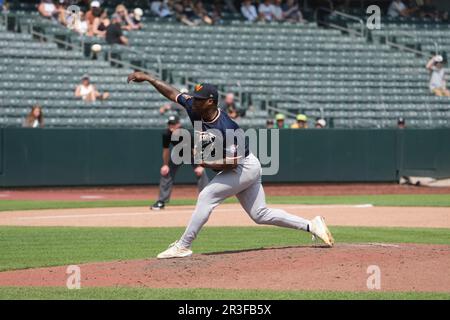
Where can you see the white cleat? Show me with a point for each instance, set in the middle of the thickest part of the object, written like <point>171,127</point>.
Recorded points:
<point>320,230</point>
<point>175,250</point>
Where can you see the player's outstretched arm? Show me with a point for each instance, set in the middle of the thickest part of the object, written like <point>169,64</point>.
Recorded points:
<point>163,87</point>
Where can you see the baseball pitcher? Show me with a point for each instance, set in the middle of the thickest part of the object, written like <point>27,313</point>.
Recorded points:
<point>238,174</point>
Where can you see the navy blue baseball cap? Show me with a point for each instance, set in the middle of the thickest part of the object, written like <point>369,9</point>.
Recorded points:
<point>205,91</point>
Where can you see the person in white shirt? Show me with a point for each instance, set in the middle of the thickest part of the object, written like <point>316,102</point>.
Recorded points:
<point>48,9</point>
<point>398,8</point>
<point>438,83</point>
<point>87,91</point>
<point>161,8</point>
<point>248,10</point>
<point>267,11</point>
<point>291,12</point>
<point>77,23</point>
<point>278,11</point>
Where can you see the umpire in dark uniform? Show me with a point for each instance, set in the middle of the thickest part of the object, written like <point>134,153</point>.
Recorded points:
<point>169,169</point>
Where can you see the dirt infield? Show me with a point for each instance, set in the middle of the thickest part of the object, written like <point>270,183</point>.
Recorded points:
<point>403,267</point>
<point>189,191</point>
<point>230,215</point>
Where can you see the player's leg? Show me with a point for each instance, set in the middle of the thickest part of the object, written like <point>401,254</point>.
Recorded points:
<point>253,200</point>
<point>222,186</point>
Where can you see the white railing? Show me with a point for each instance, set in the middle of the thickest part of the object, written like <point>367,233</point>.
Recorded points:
<point>401,47</point>
<point>230,81</point>
<point>351,31</point>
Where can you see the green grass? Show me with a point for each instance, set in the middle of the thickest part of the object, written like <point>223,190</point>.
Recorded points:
<point>202,294</point>
<point>415,200</point>
<point>30,247</point>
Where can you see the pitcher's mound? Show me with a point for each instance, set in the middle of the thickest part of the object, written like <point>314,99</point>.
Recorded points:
<point>403,267</point>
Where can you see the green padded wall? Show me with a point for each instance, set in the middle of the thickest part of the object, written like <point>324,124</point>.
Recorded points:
<point>70,157</point>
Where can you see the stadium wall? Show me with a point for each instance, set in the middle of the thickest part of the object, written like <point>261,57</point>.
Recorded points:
<point>76,157</point>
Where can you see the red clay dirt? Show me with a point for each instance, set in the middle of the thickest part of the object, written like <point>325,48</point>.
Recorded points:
<point>403,267</point>
<point>229,215</point>
<point>189,191</point>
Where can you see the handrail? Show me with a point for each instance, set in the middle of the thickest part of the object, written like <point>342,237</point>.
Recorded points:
<point>192,83</point>
<point>129,65</point>
<point>109,58</point>
<point>436,47</point>
<point>278,110</point>
<point>362,31</point>
<point>403,47</point>
<point>81,47</point>
<point>351,31</point>
<point>236,82</point>
<point>291,99</point>
<point>160,65</point>
<point>58,41</point>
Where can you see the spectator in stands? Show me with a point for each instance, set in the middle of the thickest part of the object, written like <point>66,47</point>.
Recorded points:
<point>88,92</point>
<point>428,10</point>
<point>60,14</point>
<point>229,106</point>
<point>47,9</point>
<point>278,11</point>
<point>80,25</point>
<point>114,34</point>
<point>301,122</point>
<point>438,85</point>
<point>269,124</point>
<point>126,22</point>
<point>186,14</point>
<point>35,118</point>
<point>398,8</point>
<point>216,14</point>
<point>94,12</point>
<point>279,122</point>
<point>248,10</point>
<point>320,123</point>
<point>61,7</point>
<point>230,4</point>
<point>100,25</point>
<point>401,124</point>
<point>266,11</point>
<point>4,6</point>
<point>162,9</point>
<point>291,12</point>
<point>136,18</point>
<point>201,12</point>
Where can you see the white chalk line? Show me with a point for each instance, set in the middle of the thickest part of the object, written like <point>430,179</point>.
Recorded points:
<point>174,210</point>
<point>91,197</point>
